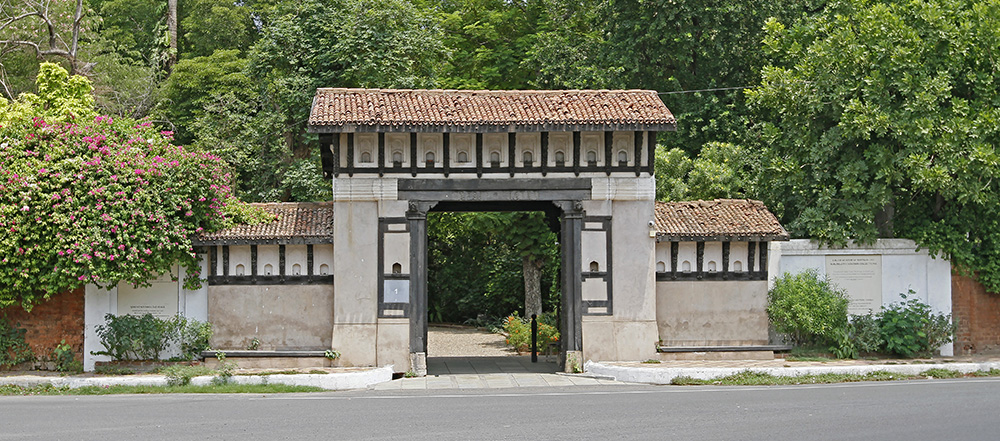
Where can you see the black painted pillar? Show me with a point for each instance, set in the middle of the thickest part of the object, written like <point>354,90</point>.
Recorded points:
<point>416,217</point>
<point>572,277</point>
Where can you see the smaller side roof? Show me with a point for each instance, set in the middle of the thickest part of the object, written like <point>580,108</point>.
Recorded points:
<point>717,220</point>
<point>294,223</point>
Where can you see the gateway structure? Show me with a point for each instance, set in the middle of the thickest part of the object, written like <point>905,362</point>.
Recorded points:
<point>584,157</point>
<point>637,277</point>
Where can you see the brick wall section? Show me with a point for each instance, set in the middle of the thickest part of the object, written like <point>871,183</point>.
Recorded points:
<point>59,318</point>
<point>977,316</point>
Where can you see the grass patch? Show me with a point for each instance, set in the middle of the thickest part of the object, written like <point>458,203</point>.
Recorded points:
<point>751,378</point>
<point>113,370</point>
<point>941,373</point>
<point>651,361</point>
<point>188,389</point>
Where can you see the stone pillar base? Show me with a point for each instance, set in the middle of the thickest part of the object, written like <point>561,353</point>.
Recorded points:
<point>418,363</point>
<point>571,362</point>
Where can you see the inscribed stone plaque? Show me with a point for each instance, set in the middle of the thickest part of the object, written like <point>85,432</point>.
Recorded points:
<point>159,299</point>
<point>861,277</point>
<point>396,291</point>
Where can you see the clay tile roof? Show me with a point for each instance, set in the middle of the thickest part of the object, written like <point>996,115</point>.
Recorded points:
<point>721,219</point>
<point>296,223</point>
<point>388,110</point>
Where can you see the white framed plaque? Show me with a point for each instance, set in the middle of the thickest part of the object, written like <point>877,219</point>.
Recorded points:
<point>861,277</point>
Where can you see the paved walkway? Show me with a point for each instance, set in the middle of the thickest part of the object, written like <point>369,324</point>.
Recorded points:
<point>491,373</point>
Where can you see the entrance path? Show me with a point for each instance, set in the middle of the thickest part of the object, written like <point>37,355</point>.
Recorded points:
<point>469,358</point>
<point>455,341</point>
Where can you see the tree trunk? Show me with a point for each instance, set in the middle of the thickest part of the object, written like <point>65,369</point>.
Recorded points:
<point>532,286</point>
<point>172,30</point>
<point>884,220</point>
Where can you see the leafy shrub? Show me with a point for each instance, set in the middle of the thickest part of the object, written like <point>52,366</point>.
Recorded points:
<point>866,333</point>
<point>194,337</point>
<point>807,308</point>
<point>129,337</point>
<point>911,329</point>
<point>13,348</point>
<point>65,359</point>
<point>181,375</point>
<point>518,331</point>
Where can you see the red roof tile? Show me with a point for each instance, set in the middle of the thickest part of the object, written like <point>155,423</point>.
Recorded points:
<point>721,219</point>
<point>296,222</point>
<point>337,110</point>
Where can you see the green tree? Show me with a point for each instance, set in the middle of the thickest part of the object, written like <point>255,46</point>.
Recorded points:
<point>721,170</point>
<point>882,121</point>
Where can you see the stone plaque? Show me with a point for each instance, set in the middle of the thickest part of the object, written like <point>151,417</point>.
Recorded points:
<point>396,291</point>
<point>861,277</point>
<point>159,299</point>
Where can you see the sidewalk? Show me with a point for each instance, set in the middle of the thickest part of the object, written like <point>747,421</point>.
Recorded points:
<point>341,379</point>
<point>664,372</point>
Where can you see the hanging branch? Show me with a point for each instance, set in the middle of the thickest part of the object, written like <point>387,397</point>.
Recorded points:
<point>52,42</point>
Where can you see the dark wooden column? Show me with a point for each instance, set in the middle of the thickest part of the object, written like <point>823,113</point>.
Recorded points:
<point>725,259</point>
<point>544,159</point>
<point>416,217</point>
<point>673,259</point>
<point>763,261</point>
<point>751,249</point>
<point>511,151</point>
<point>413,154</point>
<point>446,152</point>
<point>336,155</point>
<point>381,154</point>
<point>637,157</point>
<point>479,155</point>
<point>609,146</point>
<point>700,258</point>
<point>572,275</point>
<point>350,154</point>
<point>576,153</point>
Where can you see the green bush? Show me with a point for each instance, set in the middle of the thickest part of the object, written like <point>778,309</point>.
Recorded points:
<point>13,348</point>
<point>518,331</point>
<point>808,309</point>
<point>65,359</point>
<point>193,336</point>
<point>181,375</point>
<point>911,329</point>
<point>866,333</point>
<point>129,337</point>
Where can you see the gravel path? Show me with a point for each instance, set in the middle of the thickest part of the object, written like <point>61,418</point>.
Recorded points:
<point>465,342</point>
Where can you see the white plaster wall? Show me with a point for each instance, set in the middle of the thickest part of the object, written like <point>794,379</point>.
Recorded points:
<point>462,142</point>
<point>397,142</point>
<point>687,252</point>
<point>592,142</point>
<point>495,142</point>
<point>194,303</point>
<point>268,255</point>
<point>713,254</point>
<point>239,255</point>
<point>322,255</point>
<point>97,303</point>
<point>633,261</point>
<point>365,143</point>
<point>738,253</point>
<point>904,267</point>
<point>397,250</point>
<point>593,248</point>
<point>623,142</point>
<point>430,142</point>
<point>296,255</point>
<point>560,142</point>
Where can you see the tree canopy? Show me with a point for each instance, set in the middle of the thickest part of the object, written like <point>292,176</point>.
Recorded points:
<point>881,120</point>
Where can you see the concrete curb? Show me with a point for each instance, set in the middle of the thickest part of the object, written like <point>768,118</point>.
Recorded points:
<point>334,381</point>
<point>652,375</point>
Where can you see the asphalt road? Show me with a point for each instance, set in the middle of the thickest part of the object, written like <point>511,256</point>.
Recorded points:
<point>964,409</point>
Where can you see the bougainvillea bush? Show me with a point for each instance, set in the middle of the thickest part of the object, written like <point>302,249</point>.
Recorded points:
<point>95,199</point>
